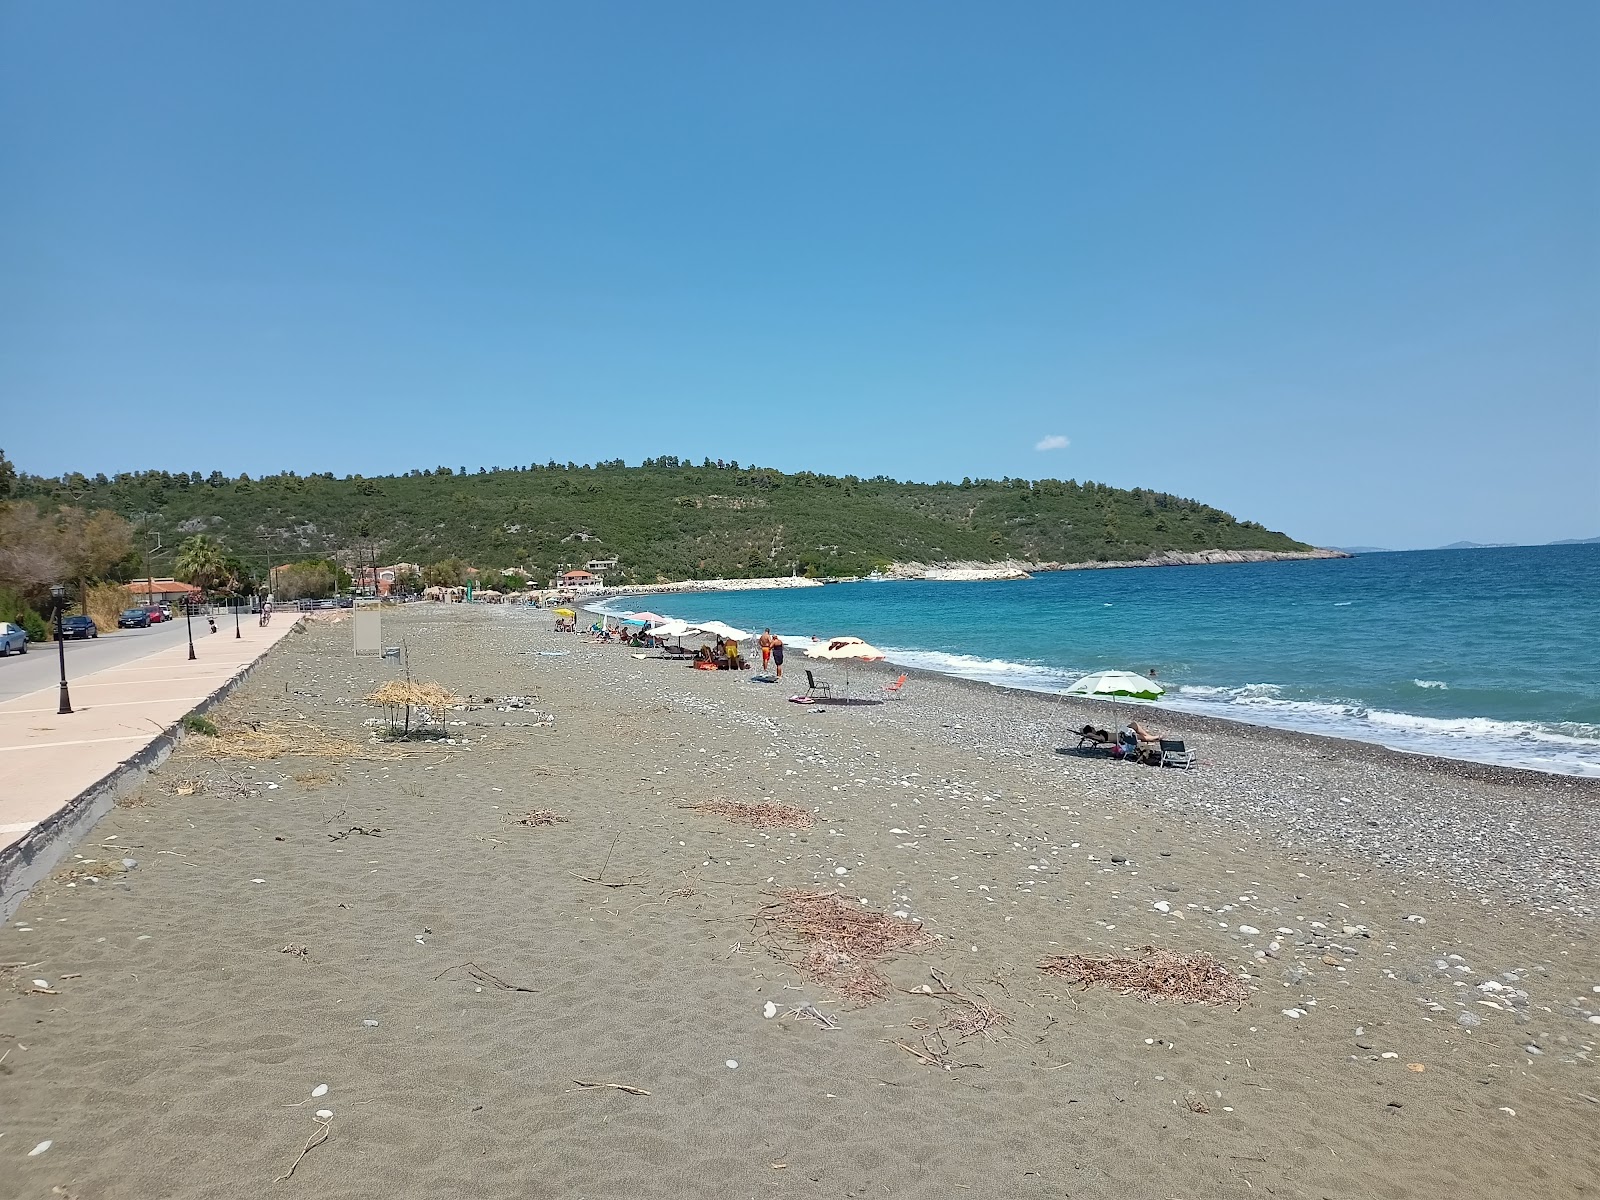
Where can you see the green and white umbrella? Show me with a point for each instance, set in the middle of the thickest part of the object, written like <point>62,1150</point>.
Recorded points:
<point>1117,683</point>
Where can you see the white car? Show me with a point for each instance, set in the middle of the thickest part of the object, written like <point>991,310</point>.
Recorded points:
<point>13,637</point>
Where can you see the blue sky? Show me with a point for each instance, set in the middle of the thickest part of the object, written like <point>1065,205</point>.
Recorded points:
<point>1331,267</point>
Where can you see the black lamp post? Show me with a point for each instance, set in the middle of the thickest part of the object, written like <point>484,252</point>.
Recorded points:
<point>58,601</point>
<point>188,616</point>
<point>236,632</point>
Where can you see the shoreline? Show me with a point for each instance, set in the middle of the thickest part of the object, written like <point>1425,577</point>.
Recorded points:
<point>1095,712</point>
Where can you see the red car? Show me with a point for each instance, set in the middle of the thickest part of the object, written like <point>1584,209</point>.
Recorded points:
<point>156,615</point>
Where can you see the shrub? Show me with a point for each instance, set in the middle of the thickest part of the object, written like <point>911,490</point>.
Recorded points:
<point>195,723</point>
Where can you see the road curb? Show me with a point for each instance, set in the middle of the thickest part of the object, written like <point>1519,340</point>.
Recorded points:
<point>26,862</point>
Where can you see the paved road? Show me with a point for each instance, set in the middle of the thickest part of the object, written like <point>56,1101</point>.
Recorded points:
<point>39,667</point>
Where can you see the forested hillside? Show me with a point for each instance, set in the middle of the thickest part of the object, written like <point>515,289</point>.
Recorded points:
<point>665,519</point>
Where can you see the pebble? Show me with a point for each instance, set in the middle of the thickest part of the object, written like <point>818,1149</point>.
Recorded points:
<point>320,1090</point>
<point>770,1011</point>
<point>370,1024</point>
<point>732,1064</point>
<point>839,870</point>
<point>130,863</point>
<point>324,1114</point>
<point>41,983</point>
<point>1163,907</point>
<point>1249,930</point>
<point>1295,1013</point>
<point>41,1147</point>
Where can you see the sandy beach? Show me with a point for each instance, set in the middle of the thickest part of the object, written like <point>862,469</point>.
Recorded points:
<point>1416,938</point>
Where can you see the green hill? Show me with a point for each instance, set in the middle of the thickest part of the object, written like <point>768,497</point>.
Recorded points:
<point>665,519</point>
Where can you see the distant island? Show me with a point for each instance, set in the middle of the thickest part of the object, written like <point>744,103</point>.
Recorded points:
<point>669,519</point>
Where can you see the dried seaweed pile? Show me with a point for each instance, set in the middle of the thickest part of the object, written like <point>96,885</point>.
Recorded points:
<point>1155,975</point>
<point>277,739</point>
<point>766,815</point>
<point>840,942</point>
<point>542,816</point>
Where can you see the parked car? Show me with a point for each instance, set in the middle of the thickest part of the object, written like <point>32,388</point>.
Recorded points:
<point>155,614</point>
<point>13,638</point>
<point>79,627</point>
<point>133,618</point>
<point>166,612</point>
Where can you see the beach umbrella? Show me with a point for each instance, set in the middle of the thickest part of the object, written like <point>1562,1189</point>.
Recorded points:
<point>649,618</point>
<point>673,628</point>
<point>1116,683</point>
<point>719,630</point>
<point>568,613</point>
<point>845,649</point>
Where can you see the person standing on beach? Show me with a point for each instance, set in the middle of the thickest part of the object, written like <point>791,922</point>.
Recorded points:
<point>777,654</point>
<point>765,642</point>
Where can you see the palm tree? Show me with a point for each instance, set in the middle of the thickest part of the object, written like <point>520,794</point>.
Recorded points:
<point>201,562</point>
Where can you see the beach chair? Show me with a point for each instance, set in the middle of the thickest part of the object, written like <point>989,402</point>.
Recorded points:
<point>1090,736</point>
<point>891,691</point>
<point>1175,754</point>
<point>813,688</point>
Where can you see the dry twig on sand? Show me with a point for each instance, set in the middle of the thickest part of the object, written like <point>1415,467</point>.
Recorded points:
<point>768,814</point>
<point>934,1053</point>
<point>483,978</point>
<point>973,1016</point>
<point>542,816</point>
<point>315,1140</point>
<point>621,1087</point>
<point>840,942</point>
<point>296,949</point>
<point>1155,975</point>
<point>267,740</point>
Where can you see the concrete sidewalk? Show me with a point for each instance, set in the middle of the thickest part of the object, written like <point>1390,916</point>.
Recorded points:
<point>58,774</point>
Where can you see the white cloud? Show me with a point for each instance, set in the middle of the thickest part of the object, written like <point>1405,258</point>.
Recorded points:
<point>1054,442</point>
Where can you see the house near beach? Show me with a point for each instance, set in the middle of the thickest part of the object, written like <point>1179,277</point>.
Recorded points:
<point>579,579</point>
<point>161,591</point>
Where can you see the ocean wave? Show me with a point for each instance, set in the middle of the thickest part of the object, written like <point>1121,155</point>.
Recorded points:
<point>1440,684</point>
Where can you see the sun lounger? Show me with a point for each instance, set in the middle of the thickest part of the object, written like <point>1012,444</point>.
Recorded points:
<point>1090,736</point>
<point>814,688</point>
<point>891,691</point>
<point>1175,754</point>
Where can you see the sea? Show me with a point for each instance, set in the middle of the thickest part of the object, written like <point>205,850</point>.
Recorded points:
<point>1490,655</point>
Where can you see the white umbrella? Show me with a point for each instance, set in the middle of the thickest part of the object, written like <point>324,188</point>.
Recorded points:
<point>1116,683</point>
<point>845,647</point>
<point>718,629</point>
<point>669,629</point>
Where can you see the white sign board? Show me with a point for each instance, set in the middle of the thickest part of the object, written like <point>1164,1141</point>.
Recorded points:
<point>368,631</point>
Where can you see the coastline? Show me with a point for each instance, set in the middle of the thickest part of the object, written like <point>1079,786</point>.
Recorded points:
<point>964,571</point>
<point>368,924</point>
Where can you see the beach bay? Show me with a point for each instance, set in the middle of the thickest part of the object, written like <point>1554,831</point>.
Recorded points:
<point>176,1047</point>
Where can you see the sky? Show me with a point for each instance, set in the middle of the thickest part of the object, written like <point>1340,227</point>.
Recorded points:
<point>1331,267</point>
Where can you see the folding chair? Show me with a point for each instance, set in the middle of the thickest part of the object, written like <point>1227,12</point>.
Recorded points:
<point>813,688</point>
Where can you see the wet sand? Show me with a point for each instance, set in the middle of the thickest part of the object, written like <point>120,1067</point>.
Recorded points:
<point>175,1049</point>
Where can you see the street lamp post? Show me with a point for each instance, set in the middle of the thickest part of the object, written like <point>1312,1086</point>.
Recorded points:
<point>58,599</point>
<point>188,616</point>
<point>236,632</point>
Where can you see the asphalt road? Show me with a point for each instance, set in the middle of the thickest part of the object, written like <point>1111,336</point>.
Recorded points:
<point>40,667</point>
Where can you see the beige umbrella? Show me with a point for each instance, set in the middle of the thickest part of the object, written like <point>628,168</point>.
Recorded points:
<point>845,649</point>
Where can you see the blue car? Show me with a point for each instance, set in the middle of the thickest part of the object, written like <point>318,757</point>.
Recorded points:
<point>13,638</point>
<point>79,627</point>
<point>133,618</point>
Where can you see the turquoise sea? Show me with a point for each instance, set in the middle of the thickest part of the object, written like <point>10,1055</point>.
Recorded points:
<point>1491,655</point>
